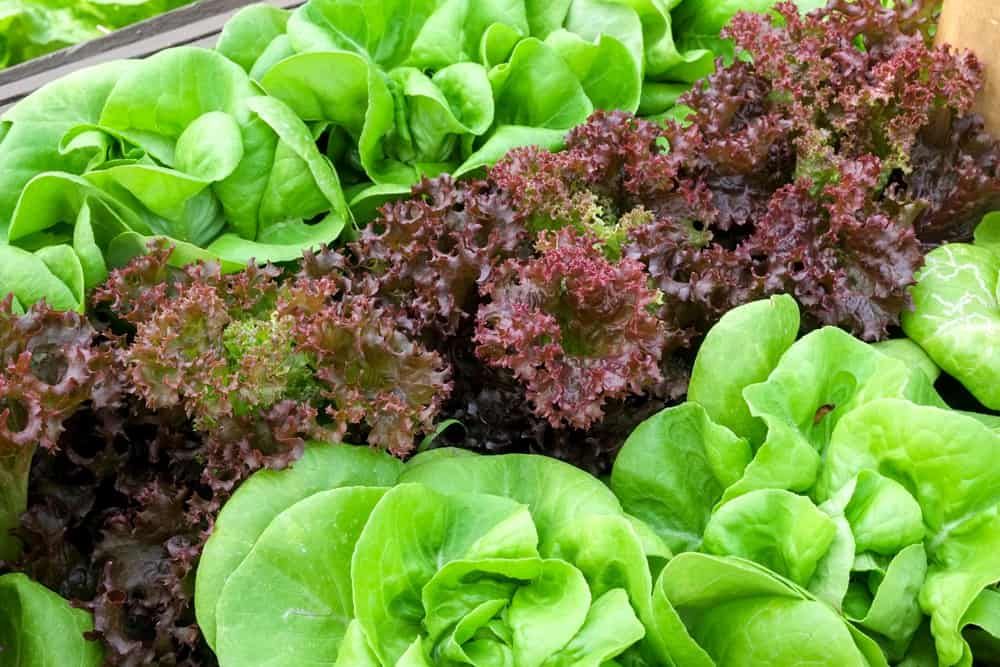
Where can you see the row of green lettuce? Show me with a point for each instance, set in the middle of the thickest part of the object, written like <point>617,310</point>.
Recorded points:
<point>814,502</point>
<point>31,28</point>
<point>300,124</point>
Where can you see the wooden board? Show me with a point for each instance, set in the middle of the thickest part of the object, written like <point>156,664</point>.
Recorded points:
<point>198,24</point>
<point>975,25</point>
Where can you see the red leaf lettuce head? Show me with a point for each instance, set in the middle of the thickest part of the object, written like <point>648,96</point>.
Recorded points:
<point>247,356</point>
<point>858,79</point>
<point>575,328</point>
<point>611,165</point>
<point>431,252</point>
<point>367,368</point>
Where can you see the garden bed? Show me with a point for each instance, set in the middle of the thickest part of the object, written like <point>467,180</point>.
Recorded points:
<point>413,333</point>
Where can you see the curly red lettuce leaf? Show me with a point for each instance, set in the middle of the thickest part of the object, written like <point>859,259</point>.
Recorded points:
<point>611,164</point>
<point>577,329</point>
<point>147,554</point>
<point>263,364</point>
<point>898,98</point>
<point>956,177</point>
<point>838,253</point>
<point>49,367</point>
<point>431,252</point>
<point>133,291</point>
<point>366,369</point>
<point>115,523</point>
<point>105,489</point>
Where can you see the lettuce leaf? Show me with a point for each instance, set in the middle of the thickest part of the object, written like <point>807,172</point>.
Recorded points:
<point>955,315</point>
<point>38,628</point>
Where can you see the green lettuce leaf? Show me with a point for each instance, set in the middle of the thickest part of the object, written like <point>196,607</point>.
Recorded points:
<point>823,376</point>
<point>39,629</point>
<point>724,610</point>
<point>728,362</point>
<point>314,597</point>
<point>776,528</point>
<point>266,495</point>
<point>956,315</point>
<point>674,468</point>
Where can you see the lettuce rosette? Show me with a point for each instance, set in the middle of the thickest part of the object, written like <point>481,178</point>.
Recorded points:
<point>225,174</point>
<point>350,558</point>
<point>845,477</point>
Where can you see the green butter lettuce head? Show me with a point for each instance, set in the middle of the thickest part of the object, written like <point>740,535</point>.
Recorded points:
<point>39,629</point>
<point>956,316</point>
<point>185,84</point>
<point>577,518</point>
<point>875,565</point>
<point>394,562</point>
<point>871,509</point>
<point>316,566</point>
<point>947,462</point>
<point>728,611</point>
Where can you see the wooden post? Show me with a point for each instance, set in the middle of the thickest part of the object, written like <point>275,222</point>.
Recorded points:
<point>975,25</point>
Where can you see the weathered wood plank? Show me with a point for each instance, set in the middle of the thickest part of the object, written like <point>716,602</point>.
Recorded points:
<point>196,24</point>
